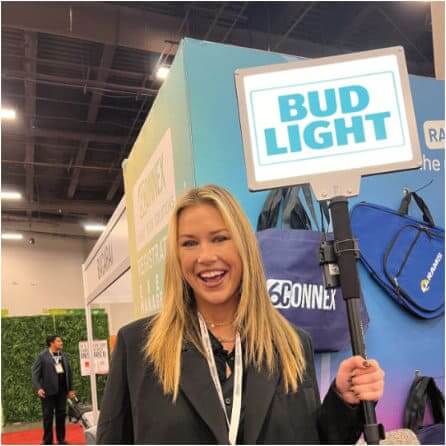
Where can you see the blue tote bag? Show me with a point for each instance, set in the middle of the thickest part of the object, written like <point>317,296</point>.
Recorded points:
<point>294,277</point>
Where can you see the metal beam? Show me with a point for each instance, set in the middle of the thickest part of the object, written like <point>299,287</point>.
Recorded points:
<point>65,134</point>
<point>236,19</point>
<point>59,165</point>
<point>215,21</point>
<point>91,21</point>
<point>30,109</point>
<point>138,29</point>
<point>296,22</point>
<point>403,34</point>
<point>72,82</point>
<point>114,187</point>
<point>107,59</point>
<point>61,207</point>
<point>51,226</point>
<point>53,147</point>
<point>61,101</point>
<point>356,23</point>
<point>76,67</point>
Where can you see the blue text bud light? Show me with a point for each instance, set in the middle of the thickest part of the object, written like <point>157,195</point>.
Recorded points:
<point>322,132</point>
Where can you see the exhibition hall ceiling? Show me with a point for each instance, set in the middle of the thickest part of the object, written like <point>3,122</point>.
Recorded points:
<point>83,76</point>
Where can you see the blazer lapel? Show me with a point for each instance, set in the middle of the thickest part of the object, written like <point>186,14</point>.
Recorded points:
<point>197,385</point>
<point>50,361</point>
<point>260,389</point>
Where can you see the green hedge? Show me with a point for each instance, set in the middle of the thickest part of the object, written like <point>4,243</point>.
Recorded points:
<point>23,338</point>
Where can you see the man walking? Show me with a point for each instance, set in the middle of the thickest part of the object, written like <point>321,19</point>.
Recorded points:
<point>52,379</point>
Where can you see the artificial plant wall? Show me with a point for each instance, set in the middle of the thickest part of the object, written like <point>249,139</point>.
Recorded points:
<point>23,338</point>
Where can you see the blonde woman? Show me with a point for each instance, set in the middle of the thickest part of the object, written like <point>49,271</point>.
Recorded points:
<point>219,364</point>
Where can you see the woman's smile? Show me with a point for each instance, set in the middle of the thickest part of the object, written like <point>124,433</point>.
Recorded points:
<point>209,259</point>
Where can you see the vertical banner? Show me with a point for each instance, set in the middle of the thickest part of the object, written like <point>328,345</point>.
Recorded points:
<point>153,197</point>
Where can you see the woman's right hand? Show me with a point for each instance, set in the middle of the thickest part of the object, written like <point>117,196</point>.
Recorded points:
<point>41,393</point>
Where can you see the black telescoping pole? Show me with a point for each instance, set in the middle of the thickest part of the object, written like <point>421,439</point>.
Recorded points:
<point>346,258</point>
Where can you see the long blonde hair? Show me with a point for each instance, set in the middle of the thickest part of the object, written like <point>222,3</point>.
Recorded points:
<point>269,339</point>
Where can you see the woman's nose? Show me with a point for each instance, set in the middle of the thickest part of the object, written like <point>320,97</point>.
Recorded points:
<point>206,254</point>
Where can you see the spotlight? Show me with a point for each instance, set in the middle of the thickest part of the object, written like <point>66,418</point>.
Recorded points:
<point>10,195</point>
<point>94,227</point>
<point>162,72</point>
<point>8,113</point>
<point>12,236</point>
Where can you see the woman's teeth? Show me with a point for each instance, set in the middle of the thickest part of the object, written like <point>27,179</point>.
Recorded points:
<point>210,276</point>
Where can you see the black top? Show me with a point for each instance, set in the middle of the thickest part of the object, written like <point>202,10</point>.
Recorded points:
<point>57,357</point>
<point>223,357</point>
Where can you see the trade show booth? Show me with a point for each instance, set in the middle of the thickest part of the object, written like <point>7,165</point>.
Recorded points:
<point>192,137</point>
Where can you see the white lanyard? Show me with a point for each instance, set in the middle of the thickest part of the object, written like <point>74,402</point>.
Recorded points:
<point>238,372</point>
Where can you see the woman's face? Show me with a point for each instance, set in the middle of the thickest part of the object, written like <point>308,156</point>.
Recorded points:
<point>209,259</point>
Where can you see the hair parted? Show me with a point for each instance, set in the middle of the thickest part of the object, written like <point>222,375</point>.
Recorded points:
<point>270,341</point>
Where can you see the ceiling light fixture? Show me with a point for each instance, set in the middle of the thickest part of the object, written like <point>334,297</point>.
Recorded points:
<point>8,113</point>
<point>12,236</point>
<point>94,227</point>
<point>10,195</point>
<point>162,72</point>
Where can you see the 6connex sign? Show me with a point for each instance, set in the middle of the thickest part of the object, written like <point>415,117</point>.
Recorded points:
<point>303,121</point>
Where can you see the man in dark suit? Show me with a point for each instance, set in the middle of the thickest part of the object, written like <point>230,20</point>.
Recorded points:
<point>52,380</point>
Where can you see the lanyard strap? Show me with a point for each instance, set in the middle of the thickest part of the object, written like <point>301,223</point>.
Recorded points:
<point>238,371</point>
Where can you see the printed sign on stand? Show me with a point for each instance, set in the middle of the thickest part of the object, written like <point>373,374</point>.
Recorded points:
<point>100,352</point>
<point>327,121</point>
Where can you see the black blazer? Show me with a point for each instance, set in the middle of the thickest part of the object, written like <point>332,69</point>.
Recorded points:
<point>135,410</point>
<point>44,375</point>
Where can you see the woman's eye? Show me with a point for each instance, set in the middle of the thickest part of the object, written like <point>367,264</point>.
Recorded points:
<point>220,238</point>
<point>188,243</point>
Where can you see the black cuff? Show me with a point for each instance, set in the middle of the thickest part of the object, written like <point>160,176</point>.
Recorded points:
<point>339,422</point>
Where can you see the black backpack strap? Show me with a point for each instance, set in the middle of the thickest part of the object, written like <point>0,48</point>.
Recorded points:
<point>427,216</point>
<point>323,206</point>
<point>294,214</point>
<point>405,203</point>
<point>270,212</point>
<point>423,387</point>
<point>437,401</point>
<point>306,189</point>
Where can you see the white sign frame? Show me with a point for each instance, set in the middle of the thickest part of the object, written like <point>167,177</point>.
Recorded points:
<point>342,182</point>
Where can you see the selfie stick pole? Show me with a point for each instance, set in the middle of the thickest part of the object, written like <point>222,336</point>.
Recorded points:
<point>346,251</point>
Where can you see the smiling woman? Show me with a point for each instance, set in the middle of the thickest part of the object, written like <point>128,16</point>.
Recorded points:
<point>219,364</point>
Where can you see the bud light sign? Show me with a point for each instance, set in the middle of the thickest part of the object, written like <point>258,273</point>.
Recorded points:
<point>343,113</point>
